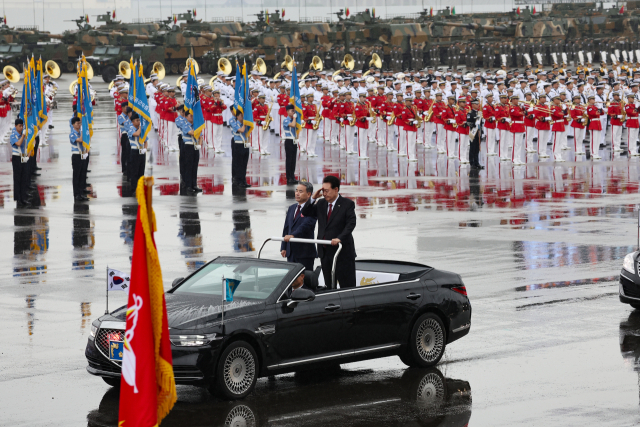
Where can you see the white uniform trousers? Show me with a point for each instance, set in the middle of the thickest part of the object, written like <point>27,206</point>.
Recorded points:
<point>350,141</point>
<point>557,145</point>
<point>603,133</point>
<point>503,149</point>
<point>565,142</point>
<point>362,140</point>
<point>373,129</point>
<point>463,148</point>
<point>441,138</point>
<point>335,132</point>
<point>255,139</point>
<point>632,141</point>
<point>207,139</point>
<point>259,140</point>
<point>595,143</point>
<point>327,127</point>
<point>427,132</point>
<point>279,130</point>
<point>162,132</point>
<point>491,142</point>
<point>616,137</point>
<point>516,149</point>
<point>5,126</point>
<point>310,141</point>
<point>451,144</point>
<point>530,132</point>
<point>152,109</point>
<point>392,131</point>
<point>216,136</point>
<point>543,136</point>
<point>412,137</point>
<point>172,135</point>
<point>275,121</point>
<point>578,140</point>
<point>381,134</point>
<point>402,141</point>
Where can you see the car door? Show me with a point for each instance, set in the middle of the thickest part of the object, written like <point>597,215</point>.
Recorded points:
<point>383,313</point>
<point>312,329</point>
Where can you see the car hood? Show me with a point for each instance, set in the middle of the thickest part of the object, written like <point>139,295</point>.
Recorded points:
<point>188,311</point>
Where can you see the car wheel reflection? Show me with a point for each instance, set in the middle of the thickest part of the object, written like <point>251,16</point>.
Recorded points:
<point>430,393</point>
<point>240,416</point>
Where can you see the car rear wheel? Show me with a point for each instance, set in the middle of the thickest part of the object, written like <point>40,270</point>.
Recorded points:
<point>426,343</point>
<point>237,371</point>
<point>113,382</point>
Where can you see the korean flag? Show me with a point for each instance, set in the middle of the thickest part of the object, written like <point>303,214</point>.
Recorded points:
<point>117,280</point>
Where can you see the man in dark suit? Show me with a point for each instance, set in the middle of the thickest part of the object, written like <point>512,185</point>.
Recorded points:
<point>336,221</point>
<point>299,225</point>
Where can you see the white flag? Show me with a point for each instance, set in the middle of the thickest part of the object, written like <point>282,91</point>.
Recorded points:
<point>117,280</point>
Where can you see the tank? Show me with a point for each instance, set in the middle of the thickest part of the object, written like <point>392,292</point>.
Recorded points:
<point>18,54</point>
<point>105,59</point>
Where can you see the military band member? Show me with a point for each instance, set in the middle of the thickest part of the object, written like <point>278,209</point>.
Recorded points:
<point>428,126</point>
<point>192,151</point>
<point>373,100</point>
<point>348,110</point>
<point>517,130</point>
<point>631,110</point>
<point>449,118</point>
<point>462,130</point>
<point>543,125</point>
<point>283,101</point>
<point>578,124</point>
<point>21,178</point>
<point>259,141</point>
<point>240,149</point>
<point>398,107</point>
<point>557,127</point>
<point>595,127</point>
<point>216,110</point>
<point>362,114</point>
<point>614,111</point>
<point>308,134</point>
<point>385,132</point>
<point>529,124</point>
<point>490,124</point>
<point>409,119</point>
<point>138,151</point>
<point>503,123</point>
<point>124,123</point>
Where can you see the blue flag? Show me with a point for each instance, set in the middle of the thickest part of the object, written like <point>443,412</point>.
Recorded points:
<point>238,97</point>
<point>248,109</point>
<point>295,99</point>
<point>40,102</point>
<point>28,110</point>
<point>140,102</point>
<point>192,102</point>
<point>85,109</point>
<point>229,288</point>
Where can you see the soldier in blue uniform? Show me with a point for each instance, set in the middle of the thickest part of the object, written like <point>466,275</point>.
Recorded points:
<point>192,153</point>
<point>290,147</point>
<point>124,123</point>
<point>20,168</point>
<point>138,154</point>
<point>182,154</point>
<point>240,147</point>
<point>75,139</point>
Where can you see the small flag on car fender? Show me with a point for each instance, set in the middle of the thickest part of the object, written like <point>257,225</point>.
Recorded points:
<point>147,385</point>
<point>117,280</point>
<point>230,286</point>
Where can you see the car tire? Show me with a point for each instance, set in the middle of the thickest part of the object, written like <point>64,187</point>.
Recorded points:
<point>112,381</point>
<point>427,342</point>
<point>237,371</point>
<point>108,74</point>
<point>634,305</point>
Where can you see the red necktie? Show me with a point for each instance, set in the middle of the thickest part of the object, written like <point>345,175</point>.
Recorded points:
<point>330,210</point>
<point>297,213</point>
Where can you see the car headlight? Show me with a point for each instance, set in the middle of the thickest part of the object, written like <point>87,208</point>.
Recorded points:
<point>627,264</point>
<point>191,340</point>
<point>94,329</point>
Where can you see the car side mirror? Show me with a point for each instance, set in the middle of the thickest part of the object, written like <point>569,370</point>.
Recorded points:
<point>302,294</point>
<point>176,281</point>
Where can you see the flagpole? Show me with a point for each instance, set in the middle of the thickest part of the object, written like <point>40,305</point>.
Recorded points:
<point>107,310</point>
<point>223,298</point>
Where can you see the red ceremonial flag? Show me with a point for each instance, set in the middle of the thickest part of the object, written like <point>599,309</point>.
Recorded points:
<point>86,17</point>
<point>5,19</point>
<point>347,12</point>
<point>147,385</point>
<point>283,12</point>
<point>518,10</point>
<point>431,12</point>
<point>175,19</point>
<point>194,12</point>
<point>622,9</point>
<point>113,15</point>
<point>534,10</point>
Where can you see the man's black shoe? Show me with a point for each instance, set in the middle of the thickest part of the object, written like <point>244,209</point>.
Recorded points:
<point>35,174</point>
<point>50,126</point>
<point>245,184</point>
<point>86,191</point>
<point>22,205</point>
<point>38,169</point>
<point>292,181</point>
<point>81,199</point>
<point>88,170</point>
<point>197,189</point>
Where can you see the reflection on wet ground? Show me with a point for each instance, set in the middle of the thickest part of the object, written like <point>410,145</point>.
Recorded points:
<point>554,232</point>
<point>420,397</point>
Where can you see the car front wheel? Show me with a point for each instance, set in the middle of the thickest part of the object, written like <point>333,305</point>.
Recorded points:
<point>426,343</point>
<point>237,371</point>
<point>112,381</point>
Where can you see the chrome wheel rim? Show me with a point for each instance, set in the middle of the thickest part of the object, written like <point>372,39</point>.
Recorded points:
<point>430,391</point>
<point>240,416</point>
<point>429,340</point>
<point>239,370</point>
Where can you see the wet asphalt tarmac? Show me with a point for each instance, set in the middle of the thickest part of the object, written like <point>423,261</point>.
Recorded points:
<point>539,249</point>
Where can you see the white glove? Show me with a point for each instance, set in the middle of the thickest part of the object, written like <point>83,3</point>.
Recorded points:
<point>370,118</point>
<point>451,121</point>
<point>508,119</point>
<point>295,115</point>
<point>415,122</point>
<point>530,110</point>
<point>313,122</point>
<point>619,117</point>
<point>341,120</point>
<point>388,117</point>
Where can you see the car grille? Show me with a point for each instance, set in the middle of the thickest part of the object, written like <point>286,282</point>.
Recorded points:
<point>638,268</point>
<point>104,336</point>
<point>103,365</point>
<point>629,288</point>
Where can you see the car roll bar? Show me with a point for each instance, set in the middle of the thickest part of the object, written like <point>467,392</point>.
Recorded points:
<point>316,241</point>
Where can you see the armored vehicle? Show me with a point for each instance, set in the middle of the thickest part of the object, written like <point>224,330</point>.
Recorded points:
<point>105,59</point>
<point>17,54</point>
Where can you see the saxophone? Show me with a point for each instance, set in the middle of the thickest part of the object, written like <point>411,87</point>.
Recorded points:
<point>267,121</point>
<point>415,111</point>
<point>318,119</point>
<point>352,120</point>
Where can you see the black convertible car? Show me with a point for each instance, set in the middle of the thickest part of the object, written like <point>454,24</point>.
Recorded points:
<point>400,308</point>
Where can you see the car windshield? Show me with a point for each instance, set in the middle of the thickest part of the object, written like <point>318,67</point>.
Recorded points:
<point>4,48</point>
<point>257,280</point>
<point>16,48</point>
<point>113,51</point>
<point>100,50</point>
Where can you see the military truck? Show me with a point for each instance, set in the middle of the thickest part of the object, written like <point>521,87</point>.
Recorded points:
<point>106,59</point>
<point>18,54</point>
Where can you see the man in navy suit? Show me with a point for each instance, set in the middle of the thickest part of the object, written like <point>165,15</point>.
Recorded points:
<point>299,226</point>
